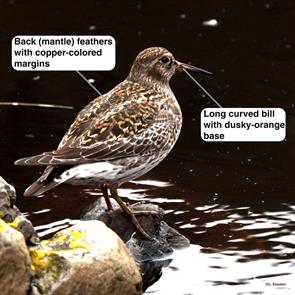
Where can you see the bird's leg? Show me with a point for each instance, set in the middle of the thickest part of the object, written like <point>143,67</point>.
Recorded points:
<point>104,190</point>
<point>126,209</point>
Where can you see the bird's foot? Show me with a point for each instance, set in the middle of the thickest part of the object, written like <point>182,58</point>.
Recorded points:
<point>137,224</point>
<point>130,213</point>
<point>146,212</point>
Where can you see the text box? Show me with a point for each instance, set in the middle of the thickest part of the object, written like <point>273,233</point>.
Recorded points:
<point>243,124</point>
<point>63,53</point>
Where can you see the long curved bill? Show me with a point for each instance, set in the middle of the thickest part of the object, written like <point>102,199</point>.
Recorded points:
<point>181,66</point>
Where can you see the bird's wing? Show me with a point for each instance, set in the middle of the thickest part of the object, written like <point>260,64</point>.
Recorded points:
<point>101,131</point>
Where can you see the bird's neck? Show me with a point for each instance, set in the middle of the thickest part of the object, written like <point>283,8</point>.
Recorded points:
<point>149,82</point>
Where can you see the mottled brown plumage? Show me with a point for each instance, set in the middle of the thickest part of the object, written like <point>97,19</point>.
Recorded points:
<point>120,135</point>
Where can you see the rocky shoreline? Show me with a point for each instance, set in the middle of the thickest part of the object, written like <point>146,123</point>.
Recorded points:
<point>101,254</point>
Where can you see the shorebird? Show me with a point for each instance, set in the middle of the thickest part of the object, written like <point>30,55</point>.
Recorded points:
<point>120,135</point>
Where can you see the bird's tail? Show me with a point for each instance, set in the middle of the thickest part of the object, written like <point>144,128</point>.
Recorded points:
<point>37,188</point>
<point>37,160</point>
<point>48,180</point>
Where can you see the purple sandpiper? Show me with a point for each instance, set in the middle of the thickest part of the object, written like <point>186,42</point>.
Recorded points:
<point>120,135</point>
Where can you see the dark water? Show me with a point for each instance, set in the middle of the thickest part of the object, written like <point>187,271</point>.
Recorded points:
<point>235,201</point>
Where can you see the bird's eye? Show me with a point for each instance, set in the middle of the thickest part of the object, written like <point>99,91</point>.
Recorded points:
<point>165,59</point>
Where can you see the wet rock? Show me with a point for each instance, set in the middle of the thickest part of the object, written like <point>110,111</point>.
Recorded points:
<point>87,258</point>
<point>15,263</point>
<point>150,217</point>
<point>10,214</point>
<point>151,271</point>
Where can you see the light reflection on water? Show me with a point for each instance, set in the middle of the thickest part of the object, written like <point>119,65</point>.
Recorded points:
<point>194,272</point>
<point>253,253</point>
<point>52,227</point>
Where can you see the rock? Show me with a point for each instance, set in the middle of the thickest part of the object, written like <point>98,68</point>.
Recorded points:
<point>150,217</point>
<point>87,258</point>
<point>7,193</point>
<point>173,237</point>
<point>11,214</point>
<point>15,263</point>
<point>151,271</point>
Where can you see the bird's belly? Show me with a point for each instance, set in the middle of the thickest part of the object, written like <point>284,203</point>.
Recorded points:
<point>92,173</point>
<point>112,172</point>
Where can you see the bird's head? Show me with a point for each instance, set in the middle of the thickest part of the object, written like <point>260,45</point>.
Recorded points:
<point>157,65</point>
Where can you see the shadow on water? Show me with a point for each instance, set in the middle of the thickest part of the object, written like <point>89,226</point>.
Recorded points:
<point>234,201</point>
